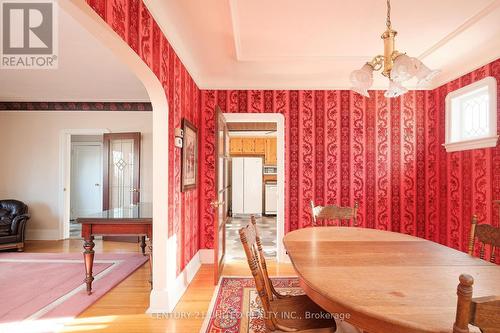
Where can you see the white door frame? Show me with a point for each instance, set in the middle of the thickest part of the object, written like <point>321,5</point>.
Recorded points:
<point>279,119</point>
<point>65,174</point>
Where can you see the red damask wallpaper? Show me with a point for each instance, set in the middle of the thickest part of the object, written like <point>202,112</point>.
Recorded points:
<point>131,20</point>
<point>386,154</point>
<point>340,147</point>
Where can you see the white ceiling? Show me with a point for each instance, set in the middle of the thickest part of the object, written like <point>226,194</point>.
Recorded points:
<point>315,44</point>
<point>88,71</point>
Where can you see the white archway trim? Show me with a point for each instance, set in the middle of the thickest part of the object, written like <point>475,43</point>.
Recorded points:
<point>162,270</point>
<point>279,119</point>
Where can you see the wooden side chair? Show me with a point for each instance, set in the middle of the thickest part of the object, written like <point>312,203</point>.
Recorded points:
<point>333,212</point>
<point>487,235</point>
<point>287,314</point>
<point>262,260</point>
<point>482,312</point>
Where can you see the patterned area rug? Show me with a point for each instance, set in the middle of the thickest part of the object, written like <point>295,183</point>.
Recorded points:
<point>236,306</point>
<point>48,288</point>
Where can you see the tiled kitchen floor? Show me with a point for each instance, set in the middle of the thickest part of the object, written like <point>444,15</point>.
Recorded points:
<point>267,230</point>
<point>75,230</point>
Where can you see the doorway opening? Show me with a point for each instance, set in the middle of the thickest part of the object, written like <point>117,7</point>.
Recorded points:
<point>86,179</point>
<point>101,171</point>
<point>252,184</point>
<point>255,181</point>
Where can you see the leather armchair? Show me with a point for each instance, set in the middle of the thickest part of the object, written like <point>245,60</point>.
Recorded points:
<point>13,218</point>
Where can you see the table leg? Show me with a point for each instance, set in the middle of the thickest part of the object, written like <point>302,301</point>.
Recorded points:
<point>88,257</point>
<point>150,248</point>
<point>143,245</point>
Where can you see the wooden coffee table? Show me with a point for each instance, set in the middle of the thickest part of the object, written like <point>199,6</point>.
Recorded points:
<point>134,220</point>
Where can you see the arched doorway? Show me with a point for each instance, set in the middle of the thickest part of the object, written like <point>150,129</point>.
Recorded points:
<point>164,262</point>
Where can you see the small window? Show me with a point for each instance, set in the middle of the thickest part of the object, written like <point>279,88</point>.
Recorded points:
<point>471,116</point>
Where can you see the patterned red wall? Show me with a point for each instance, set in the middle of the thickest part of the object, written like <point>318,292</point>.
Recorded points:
<point>468,180</point>
<point>340,147</point>
<point>386,154</point>
<point>131,20</point>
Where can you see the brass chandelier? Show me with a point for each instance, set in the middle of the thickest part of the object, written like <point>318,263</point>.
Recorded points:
<point>396,66</point>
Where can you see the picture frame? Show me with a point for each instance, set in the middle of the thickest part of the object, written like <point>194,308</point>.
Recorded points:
<point>189,174</point>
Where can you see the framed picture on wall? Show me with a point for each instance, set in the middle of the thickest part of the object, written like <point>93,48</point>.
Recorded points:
<point>189,178</point>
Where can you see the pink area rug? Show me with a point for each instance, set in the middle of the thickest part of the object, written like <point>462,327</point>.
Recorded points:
<point>37,286</point>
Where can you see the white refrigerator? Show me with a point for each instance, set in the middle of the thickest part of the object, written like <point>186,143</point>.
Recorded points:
<point>247,185</point>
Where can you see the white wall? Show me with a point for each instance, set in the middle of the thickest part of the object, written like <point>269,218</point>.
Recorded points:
<point>29,162</point>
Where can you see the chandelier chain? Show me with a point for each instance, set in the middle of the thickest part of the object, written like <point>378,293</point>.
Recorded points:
<point>388,21</point>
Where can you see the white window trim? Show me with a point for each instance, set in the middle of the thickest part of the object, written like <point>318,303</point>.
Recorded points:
<point>485,142</point>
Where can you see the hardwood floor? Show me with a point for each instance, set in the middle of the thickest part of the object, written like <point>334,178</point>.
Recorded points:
<point>123,308</point>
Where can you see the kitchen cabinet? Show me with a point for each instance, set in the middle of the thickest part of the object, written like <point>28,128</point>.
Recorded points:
<point>260,145</point>
<point>248,145</point>
<point>271,154</point>
<point>255,146</point>
<point>236,146</point>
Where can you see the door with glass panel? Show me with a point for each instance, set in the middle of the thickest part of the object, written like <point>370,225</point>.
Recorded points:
<point>121,179</point>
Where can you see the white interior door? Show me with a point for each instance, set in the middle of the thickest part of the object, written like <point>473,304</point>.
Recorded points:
<point>86,179</point>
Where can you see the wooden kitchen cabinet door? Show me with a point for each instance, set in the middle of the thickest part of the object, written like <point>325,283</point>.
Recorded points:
<point>248,145</point>
<point>260,146</point>
<point>236,146</point>
<point>271,154</point>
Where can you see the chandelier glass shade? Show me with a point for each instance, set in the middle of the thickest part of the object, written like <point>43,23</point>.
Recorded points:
<point>396,66</point>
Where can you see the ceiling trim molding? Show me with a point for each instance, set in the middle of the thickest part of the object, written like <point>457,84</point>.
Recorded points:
<point>460,29</point>
<point>444,79</point>
<point>206,81</point>
<point>233,8</point>
<point>277,86</point>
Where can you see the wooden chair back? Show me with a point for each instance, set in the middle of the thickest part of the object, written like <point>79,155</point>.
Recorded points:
<point>483,312</point>
<point>332,212</point>
<point>487,235</point>
<point>271,291</point>
<point>248,237</point>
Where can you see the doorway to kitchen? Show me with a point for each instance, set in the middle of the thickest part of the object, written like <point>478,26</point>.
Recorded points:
<point>255,177</point>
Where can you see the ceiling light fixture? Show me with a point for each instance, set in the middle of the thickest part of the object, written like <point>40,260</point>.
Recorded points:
<point>396,66</point>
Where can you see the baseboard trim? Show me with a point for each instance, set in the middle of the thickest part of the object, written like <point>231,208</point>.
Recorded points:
<point>158,302</point>
<point>206,256</point>
<point>183,280</point>
<point>162,302</point>
<point>42,234</point>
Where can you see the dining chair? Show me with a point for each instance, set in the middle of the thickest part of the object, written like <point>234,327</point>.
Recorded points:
<point>482,312</point>
<point>332,212</point>
<point>487,235</point>
<point>262,260</point>
<point>287,314</point>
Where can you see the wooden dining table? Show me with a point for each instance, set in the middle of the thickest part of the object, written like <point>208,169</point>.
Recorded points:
<point>383,281</point>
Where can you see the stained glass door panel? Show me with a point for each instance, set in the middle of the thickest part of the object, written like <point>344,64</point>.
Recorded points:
<point>121,170</point>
